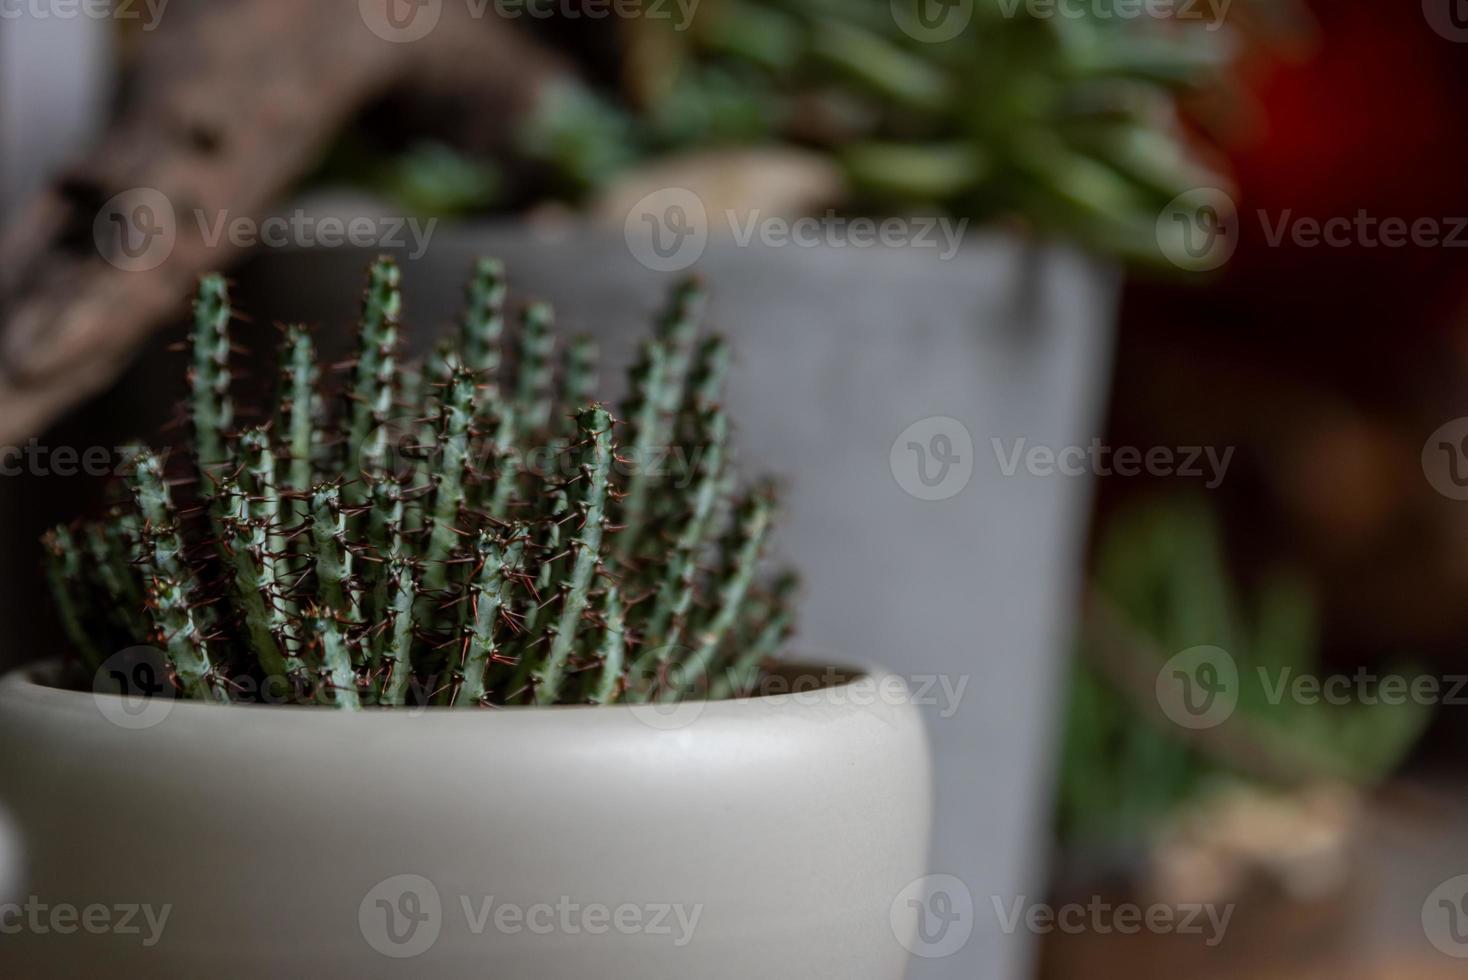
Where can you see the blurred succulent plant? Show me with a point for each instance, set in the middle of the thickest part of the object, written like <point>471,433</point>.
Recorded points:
<point>456,533</point>
<point>1066,120</point>
<point>1162,586</point>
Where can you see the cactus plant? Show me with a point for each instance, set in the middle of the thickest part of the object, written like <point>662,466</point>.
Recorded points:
<point>462,532</point>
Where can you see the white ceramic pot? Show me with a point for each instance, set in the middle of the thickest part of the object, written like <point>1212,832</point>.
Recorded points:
<point>768,837</point>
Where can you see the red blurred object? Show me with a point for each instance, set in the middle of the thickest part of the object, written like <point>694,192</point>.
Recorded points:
<point>1367,119</point>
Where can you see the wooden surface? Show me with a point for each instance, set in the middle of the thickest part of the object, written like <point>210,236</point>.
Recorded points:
<point>1416,837</point>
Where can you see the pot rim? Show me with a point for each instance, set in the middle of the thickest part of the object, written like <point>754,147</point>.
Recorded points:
<point>36,682</point>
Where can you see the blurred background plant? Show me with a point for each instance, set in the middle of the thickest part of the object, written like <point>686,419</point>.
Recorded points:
<point>1162,584</point>
<point>1069,124</point>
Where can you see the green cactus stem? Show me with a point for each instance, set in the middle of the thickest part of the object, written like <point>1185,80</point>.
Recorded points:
<point>506,465</point>
<point>743,551</point>
<point>64,565</point>
<point>677,331</point>
<point>329,545</point>
<point>162,550</point>
<point>582,357</point>
<point>551,561</point>
<point>595,425</point>
<point>179,633</point>
<point>536,367</point>
<point>263,504</point>
<point>338,679</point>
<point>488,592</point>
<point>643,412</point>
<point>246,547</point>
<point>608,680</point>
<point>677,591</point>
<point>384,531</point>
<point>391,661</point>
<point>298,415</point>
<point>707,383</point>
<point>213,411</point>
<point>482,337</point>
<point>106,547</point>
<point>777,621</point>
<point>371,394</point>
<point>456,414</point>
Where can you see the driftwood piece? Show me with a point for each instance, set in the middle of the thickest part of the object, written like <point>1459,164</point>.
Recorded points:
<point>231,104</point>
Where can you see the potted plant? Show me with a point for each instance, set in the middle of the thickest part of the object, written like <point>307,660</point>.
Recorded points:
<point>454,666</point>
<point>1250,802</point>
